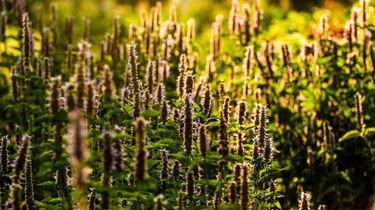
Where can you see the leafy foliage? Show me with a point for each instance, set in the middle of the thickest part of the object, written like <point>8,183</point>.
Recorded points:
<point>165,115</point>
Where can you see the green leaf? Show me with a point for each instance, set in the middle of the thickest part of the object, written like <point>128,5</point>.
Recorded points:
<point>370,131</point>
<point>55,200</point>
<point>150,113</point>
<point>213,124</point>
<point>309,103</point>
<point>128,109</point>
<point>179,103</point>
<point>47,184</point>
<point>349,135</point>
<point>277,204</point>
<point>46,206</point>
<point>60,117</point>
<point>46,154</point>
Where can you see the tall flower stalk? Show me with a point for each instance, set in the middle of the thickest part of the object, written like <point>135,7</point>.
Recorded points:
<point>140,166</point>
<point>188,125</point>
<point>79,155</point>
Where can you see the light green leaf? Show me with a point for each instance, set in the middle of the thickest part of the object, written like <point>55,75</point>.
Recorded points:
<point>349,135</point>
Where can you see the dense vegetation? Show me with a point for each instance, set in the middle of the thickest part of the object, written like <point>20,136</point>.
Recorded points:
<point>167,114</point>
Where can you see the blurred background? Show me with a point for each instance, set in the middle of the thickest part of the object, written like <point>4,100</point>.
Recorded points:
<point>285,4</point>
<point>299,5</point>
<point>285,16</point>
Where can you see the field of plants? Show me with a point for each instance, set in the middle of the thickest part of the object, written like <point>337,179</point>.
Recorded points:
<point>189,104</point>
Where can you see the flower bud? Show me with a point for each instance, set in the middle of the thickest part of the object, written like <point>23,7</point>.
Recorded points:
<point>140,166</point>
<point>244,188</point>
<point>159,202</point>
<point>188,125</point>
<point>164,112</point>
<point>190,184</point>
<point>29,188</point>
<point>164,173</point>
<point>176,170</point>
<point>304,201</point>
<point>4,155</point>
